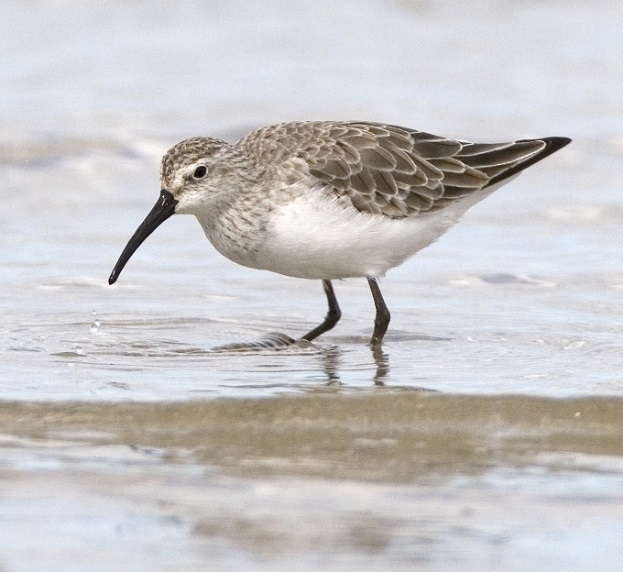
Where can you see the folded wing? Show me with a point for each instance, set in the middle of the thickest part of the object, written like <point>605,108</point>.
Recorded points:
<point>400,172</point>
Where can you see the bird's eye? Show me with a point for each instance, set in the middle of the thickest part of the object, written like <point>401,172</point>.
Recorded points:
<point>200,172</point>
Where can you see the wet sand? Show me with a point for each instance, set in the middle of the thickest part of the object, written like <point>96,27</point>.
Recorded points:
<point>395,436</point>
<point>411,478</point>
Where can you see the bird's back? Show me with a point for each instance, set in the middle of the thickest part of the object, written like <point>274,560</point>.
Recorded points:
<point>389,170</point>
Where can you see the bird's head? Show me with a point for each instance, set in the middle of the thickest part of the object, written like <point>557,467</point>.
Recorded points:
<point>193,177</point>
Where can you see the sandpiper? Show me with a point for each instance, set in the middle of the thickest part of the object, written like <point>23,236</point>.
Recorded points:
<point>328,200</point>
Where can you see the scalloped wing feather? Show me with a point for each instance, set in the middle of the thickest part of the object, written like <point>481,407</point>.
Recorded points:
<point>391,170</point>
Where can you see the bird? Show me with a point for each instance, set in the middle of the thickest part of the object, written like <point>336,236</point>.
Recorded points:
<point>330,200</point>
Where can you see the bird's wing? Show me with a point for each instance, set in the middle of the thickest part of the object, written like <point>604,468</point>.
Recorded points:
<point>400,172</point>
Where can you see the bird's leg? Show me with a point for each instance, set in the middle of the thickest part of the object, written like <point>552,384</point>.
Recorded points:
<point>332,317</point>
<point>381,321</point>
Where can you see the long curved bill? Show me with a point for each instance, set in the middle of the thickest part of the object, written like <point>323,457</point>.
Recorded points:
<point>161,211</point>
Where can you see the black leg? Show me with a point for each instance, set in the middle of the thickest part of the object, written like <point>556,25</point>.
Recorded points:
<point>332,317</point>
<point>381,321</point>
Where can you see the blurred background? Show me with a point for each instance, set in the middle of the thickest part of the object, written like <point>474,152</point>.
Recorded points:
<point>517,310</point>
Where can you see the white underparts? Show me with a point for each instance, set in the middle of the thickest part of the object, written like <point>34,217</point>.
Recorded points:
<point>315,236</point>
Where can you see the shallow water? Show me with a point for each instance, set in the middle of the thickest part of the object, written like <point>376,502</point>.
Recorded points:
<point>487,435</point>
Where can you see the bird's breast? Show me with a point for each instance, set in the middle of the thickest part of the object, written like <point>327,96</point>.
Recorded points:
<point>319,236</point>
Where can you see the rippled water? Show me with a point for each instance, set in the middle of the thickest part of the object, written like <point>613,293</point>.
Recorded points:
<point>317,454</point>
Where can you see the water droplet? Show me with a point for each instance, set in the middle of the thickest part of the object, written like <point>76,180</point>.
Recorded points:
<point>95,326</point>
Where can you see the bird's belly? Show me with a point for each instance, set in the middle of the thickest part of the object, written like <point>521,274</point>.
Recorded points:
<point>318,237</point>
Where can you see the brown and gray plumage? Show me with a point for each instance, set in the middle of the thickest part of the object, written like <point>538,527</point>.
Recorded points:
<point>331,199</point>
